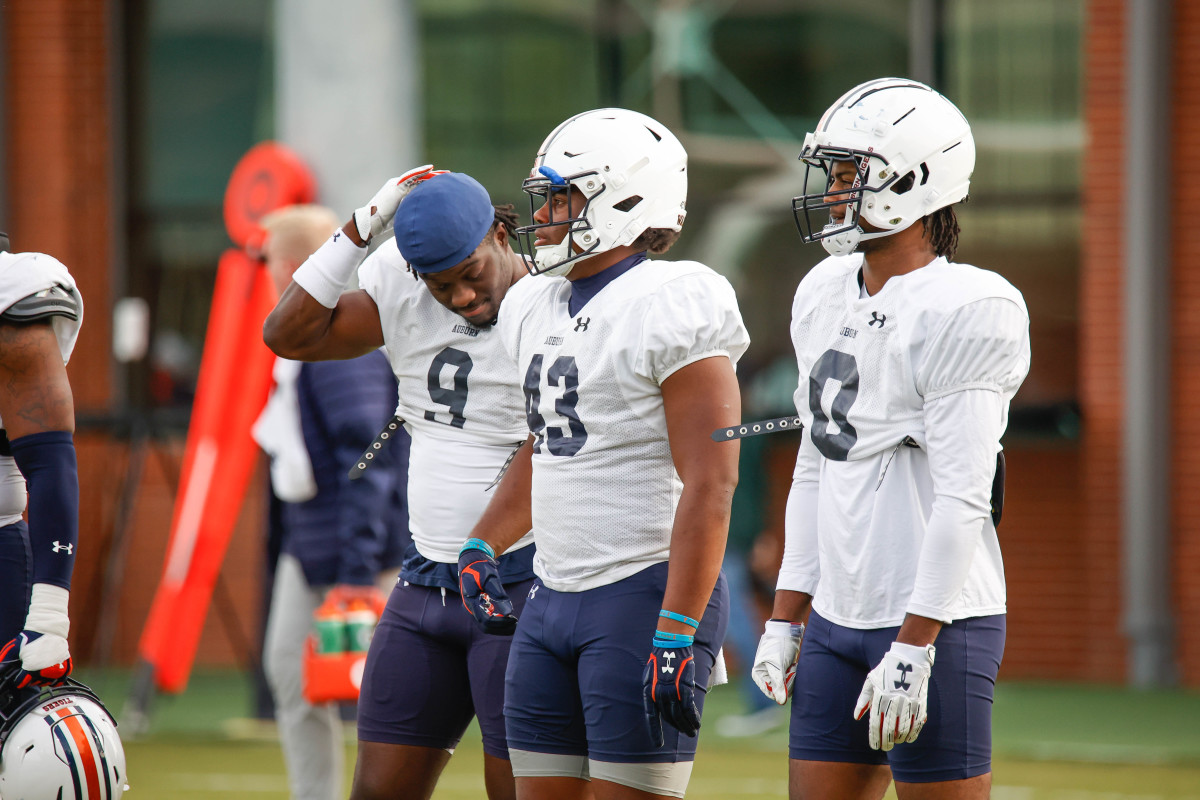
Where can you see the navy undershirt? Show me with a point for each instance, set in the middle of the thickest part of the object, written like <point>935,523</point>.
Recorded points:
<point>585,289</point>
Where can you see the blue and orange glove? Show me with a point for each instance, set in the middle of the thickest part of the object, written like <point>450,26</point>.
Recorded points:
<point>482,592</point>
<point>43,659</point>
<point>669,686</point>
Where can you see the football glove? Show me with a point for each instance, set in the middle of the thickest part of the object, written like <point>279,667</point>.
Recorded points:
<point>376,215</point>
<point>44,658</point>
<point>669,688</point>
<point>775,661</point>
<point>482,592</point>
<point>896,694</point>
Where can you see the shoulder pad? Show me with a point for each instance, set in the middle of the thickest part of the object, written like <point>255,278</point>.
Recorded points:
<point>53,302</point>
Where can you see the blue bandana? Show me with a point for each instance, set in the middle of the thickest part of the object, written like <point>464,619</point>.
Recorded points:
<point>442,221</point>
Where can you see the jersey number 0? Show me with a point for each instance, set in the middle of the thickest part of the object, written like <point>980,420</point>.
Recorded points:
<point>843,368</point>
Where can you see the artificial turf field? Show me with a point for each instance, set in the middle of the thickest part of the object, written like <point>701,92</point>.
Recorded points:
<point>1052,742</point>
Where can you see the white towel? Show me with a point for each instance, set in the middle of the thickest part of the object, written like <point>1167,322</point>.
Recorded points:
<point>719,674</point>
<point>279,434</point>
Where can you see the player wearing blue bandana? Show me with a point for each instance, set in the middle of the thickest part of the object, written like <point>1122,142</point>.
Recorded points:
<point>431,298</point>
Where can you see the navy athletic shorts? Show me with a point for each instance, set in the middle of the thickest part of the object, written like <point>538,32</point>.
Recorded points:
<point>16,577</point>
<point>956,742</point>
<point>574,684</point>
<point>431,669</point>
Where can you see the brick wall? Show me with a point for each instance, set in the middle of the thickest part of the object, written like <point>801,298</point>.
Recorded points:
<point>1100,373</point>
<point>1185,341</point>
<point>57,162</point>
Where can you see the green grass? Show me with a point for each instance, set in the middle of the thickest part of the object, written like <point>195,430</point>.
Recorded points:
<point>1052,742</point>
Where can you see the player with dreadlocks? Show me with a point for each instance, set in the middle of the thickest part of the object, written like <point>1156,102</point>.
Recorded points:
<point>908,362</point>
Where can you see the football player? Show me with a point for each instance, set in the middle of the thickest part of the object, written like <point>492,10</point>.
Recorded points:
<point>627,365</point>
<point>40,314</point>
<point>908,362</point>
<point>430,296</point>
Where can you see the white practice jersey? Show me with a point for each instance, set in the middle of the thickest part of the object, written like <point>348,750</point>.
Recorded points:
<point>458,400</point>
<point>904,396</point>
<point>23,275</point>
<point>604,486</point>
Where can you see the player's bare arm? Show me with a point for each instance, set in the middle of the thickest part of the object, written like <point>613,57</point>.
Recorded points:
<point>35,395</point>
<point>302,329</point>
<point>509,515</point>
<point>697,399</point>
<point>792,606</point>
<point>918,630</point>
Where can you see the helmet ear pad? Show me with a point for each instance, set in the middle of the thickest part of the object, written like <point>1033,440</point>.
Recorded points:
<point>58,742</point>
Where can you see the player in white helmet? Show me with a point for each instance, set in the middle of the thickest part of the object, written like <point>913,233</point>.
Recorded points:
<point>431,297</point>
<point>627,366</point>
<point>908,362</point>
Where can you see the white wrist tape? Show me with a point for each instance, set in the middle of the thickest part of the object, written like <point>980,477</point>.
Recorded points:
<point>781,628</point>
<point>326,272</point>
<point>48,610</point>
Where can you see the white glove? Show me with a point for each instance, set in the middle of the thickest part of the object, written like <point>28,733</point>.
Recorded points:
<point>897,694</point>
<point>42,648</point>
<point>376,215</point>
<point>44,652</point>
<point>775,661</point>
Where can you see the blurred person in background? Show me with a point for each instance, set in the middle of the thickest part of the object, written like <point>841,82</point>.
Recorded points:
<point>908,362</point>
<point>41,311</point>
<point>432,298</point>
<point>340,540</point>
<point>628,367</point>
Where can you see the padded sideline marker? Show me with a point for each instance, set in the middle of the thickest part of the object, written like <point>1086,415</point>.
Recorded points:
<point>232,388</point>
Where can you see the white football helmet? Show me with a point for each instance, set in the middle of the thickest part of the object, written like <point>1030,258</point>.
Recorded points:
<point>59,743</point>
<point>632,172</point>
<point>914,153</point>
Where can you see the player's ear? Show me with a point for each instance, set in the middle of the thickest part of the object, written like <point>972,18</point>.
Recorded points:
<point>500,235</point>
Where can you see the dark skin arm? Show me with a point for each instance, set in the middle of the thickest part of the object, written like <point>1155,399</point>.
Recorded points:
<point>509,514</point>
<point>698,399</point>
<point>35,394</point>
<point>302,329</point>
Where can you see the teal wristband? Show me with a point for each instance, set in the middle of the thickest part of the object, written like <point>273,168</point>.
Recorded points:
<point>477,544</point>
<point>664,639</point>
<point>679,618</point>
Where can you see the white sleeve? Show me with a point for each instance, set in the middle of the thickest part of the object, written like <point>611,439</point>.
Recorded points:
<point>687,320</point>
<point>982,345</point>
<point>378,276</point>
<point>801,567</point>
<point>963,437</point>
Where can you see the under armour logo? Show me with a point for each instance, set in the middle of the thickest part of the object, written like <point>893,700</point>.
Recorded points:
<point>337,234</point>
<point>533,591</point>
<point>667,657</point>
<point>876,317</point>
<point>581,324</point>
<point>70,548</point>
<point>903,682</point>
